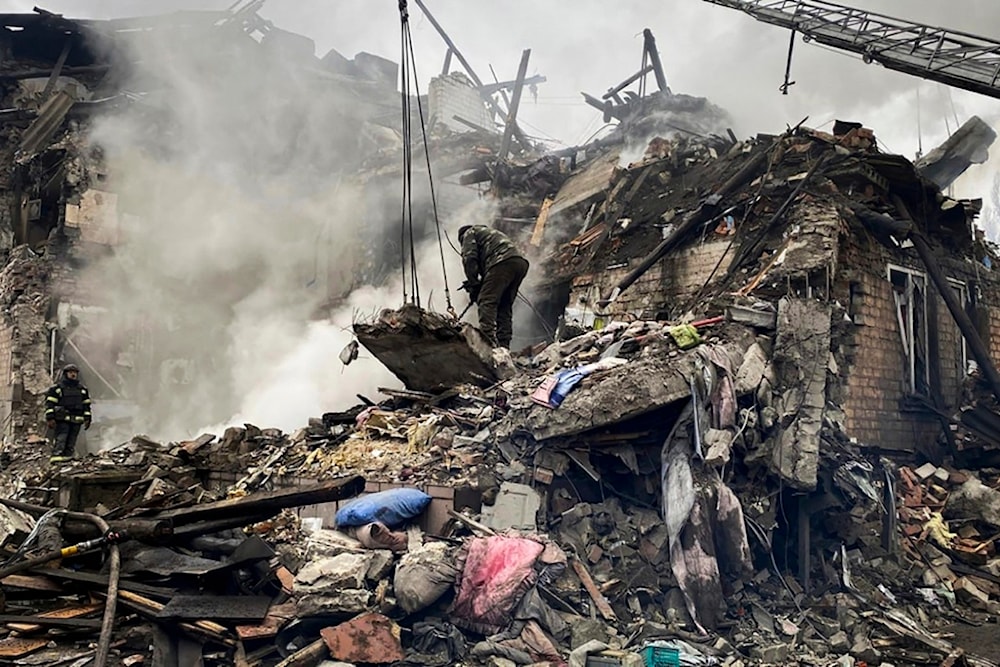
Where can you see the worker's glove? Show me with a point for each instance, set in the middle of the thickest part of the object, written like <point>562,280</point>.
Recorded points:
<point>51,423</point>
<point>86,425</point>
<point>473,290</point>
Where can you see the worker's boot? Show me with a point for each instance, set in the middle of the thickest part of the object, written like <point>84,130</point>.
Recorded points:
<point>59,459</point>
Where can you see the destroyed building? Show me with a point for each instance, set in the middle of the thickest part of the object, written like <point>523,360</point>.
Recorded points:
<point>761,434</point>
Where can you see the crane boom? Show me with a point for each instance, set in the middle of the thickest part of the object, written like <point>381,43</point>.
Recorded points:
<point>954,58</point>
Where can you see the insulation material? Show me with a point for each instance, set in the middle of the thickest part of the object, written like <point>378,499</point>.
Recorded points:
<point>707,535</point>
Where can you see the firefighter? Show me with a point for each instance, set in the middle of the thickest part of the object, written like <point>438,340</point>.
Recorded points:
<point>494,269</point>
<point>67,408</point>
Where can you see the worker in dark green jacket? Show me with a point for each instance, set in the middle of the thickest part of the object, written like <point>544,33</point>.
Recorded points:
<point>67,409</point>
<point>494,269</point>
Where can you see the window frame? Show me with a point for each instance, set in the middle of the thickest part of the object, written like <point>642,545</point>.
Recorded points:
<point>907,337</point>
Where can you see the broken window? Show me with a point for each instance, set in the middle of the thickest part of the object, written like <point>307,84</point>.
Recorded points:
<point>910,293</point>
<point>961,291</point>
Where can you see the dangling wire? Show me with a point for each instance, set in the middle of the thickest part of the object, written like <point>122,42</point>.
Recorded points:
<point>406,223</point>
<point>409,62</point>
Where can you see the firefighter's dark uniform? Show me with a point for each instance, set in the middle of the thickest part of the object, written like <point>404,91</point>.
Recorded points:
<point>67,405</point>
<point>494,269</point>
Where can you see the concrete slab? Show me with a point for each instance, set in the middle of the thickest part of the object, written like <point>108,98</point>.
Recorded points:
<point>801,353</point>
<point>428,351</point>
<point>515,507</point>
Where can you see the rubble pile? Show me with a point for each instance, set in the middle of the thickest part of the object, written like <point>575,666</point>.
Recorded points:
<point>761,434</point>
<point>598,570</point>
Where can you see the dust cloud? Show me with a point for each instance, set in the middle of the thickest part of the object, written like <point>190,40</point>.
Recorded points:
<point>244,227</point>
<point>235,170</point>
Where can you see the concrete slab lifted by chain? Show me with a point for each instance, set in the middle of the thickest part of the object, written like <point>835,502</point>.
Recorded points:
<point>428,351</point>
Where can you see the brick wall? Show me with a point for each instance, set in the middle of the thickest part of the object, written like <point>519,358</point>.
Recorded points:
<point>875,367</point>
<point>675,279</point>
<point>453,95</point>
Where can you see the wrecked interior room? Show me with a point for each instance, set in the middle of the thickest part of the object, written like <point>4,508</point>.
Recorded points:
<point>422,357</point>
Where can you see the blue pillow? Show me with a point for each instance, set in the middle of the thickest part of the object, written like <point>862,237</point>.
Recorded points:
<point>392,507</point>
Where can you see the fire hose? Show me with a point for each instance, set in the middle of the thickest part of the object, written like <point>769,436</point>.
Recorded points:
<point>109,539</point>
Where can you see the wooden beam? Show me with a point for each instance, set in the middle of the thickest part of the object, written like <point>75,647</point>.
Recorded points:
<point>543,216</point>
<point>515,102</point>
<point>624,84</point>
<point>307,656</point>
<point>268,502</point>
<point>649,43</point>
<point>57,69</point>
<point>595,593</point>
<point>68,71</point>
<point>203,628</point>
<point>447,62</point>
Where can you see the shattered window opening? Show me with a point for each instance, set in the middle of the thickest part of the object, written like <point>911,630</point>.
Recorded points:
<point>910,293</point>
<point>962,292</point>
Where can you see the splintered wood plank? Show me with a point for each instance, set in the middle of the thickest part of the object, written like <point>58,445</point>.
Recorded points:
<point>595,593</point>
<point>31,583</point>
<point>64,613</point>
<point>543,216</point>
<point>18,647</point>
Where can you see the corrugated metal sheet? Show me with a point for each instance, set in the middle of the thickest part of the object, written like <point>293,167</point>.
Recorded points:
<point>50,117</point>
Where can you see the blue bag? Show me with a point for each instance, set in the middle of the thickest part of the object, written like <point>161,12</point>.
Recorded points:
<point>392,507</point>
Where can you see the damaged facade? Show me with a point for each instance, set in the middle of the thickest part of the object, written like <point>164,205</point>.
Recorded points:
<point>761,435</point>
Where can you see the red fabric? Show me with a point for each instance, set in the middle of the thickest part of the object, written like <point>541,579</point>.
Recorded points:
<point>498,571</point>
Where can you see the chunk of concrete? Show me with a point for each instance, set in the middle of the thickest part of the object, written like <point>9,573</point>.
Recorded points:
<point>347,570</point>
<point>370,638</point>
<point>974,500</point>
<point>801,350</point>
<point>583,630</point>
<point>840,642</point>
<point>380,566</point>
<point>751,370</point>
<point>636,388</point>
<point>428,351</point>
<point>342,601</point>
<point>516,507</point>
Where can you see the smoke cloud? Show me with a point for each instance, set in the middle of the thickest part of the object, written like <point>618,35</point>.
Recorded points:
<point>236,172</point>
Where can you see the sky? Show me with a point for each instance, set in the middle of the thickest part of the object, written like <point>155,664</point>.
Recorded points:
<point>584,45</point>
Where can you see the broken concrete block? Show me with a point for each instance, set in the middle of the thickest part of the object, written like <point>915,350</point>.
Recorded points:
<point>342,601</point>
<point>970,594</point>
<point>839,642</point>
<point>380,565</point>
<point>516,507</point>
<point>942,476</point>
<point>583,630</point>
<point>974,500</point>
<point>428,351</point>
<point>775,654</point>
<point>719,445</point>
<point>801,349</point>
<point>754,317</point>
<point>925,471</point>
<point>347,570</point>
<point>370,638</point>
<point>751,371</point>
